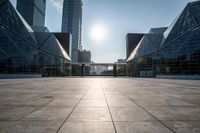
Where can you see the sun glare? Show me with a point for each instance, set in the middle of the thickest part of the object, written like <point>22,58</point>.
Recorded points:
<point>98,33</point>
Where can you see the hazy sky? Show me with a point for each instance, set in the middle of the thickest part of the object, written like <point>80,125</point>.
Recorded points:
<point>117,17</point>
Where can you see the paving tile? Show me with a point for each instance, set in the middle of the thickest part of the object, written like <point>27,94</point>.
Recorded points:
<point>94,96</point>
<point>115,102</point>
<point>139,91</point>
<point>25,102</point>
<point>31,127</point>
<point>2,125</point>
<point>175,113</point>
<point>11,97</point>
<point>64,96</point>
<point>134,96</point>
<point>90,114</point>
<point>14,113</point>
<point>116,97</point>
<point>162,102</point>
<point>63,102</point>
<point>41,101</point>
<point>92,103</point>
<point>87,127</point>
<point>50,113</point>
<point>130,114</point>
<point>192,99</point>
<point>184,126</point>
<point>66,92</point>
<point>141,127</point>
<point>111,92</point>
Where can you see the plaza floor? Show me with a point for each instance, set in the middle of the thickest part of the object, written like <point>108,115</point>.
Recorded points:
<point>99,105</point>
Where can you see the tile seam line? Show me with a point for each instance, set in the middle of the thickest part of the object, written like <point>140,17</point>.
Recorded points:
<point>19,83</point>
<point>147,112</point>
<point>46,93</point>
<point>151,115</point>
<point>91,84</point>
<point>15,83</point>
<point>108,108</point>
<point>39,107</point>
<point>166,82</point>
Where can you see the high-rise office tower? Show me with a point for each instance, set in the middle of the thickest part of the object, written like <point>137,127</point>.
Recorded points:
<point>33,11</point>
<point>72,23</point>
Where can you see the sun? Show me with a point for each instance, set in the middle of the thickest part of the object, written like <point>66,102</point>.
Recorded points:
<point>98,33</point>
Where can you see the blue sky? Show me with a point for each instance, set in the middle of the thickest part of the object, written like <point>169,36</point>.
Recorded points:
<point>119,17</point>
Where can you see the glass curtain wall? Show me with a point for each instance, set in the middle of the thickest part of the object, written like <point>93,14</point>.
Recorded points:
<point>25,49</point>
<point>178,52</point>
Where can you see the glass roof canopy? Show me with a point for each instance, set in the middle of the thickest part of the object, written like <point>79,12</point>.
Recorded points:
<point>185,22</point>
<point>149,43</point>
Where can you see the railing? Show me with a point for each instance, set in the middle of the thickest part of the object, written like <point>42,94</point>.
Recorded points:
<point>99,69</point>
<point>70,69</point>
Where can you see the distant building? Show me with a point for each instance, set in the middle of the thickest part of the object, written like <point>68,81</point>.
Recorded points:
<point>132,39</point>
<point>84,56</point>
<point>33,11</point>
<point>65,41</point>
<point>72,23</point>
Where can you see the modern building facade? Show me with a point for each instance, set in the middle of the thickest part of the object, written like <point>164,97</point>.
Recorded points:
<point>65,40</point>
<point>33,11</point>
<point>171,51</point>
<point>28,49</point>
<point>132,39</point>
<point>72,23</point>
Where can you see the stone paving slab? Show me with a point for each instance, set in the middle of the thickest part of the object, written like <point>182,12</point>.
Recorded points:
<point>92,103</point>
<point>50,114</point>
<point>90,114</point>
<point>87,127</point>
<point>184,126</point>
<point>30,127</point>
<point>99,105</point>
<point>175,113</point>
<point>141,127</point>
<point>14,113</point>
<point>130,114</point>
<point>63,103</point>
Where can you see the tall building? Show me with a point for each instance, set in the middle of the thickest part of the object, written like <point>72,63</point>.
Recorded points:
<point>72,23</point>
<point>33,11</point>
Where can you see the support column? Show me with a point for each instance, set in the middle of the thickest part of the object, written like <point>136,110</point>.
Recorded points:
<point>115,70</point>
<point>83,70</point>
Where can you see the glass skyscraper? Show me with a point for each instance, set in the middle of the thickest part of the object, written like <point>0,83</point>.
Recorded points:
<point>33,11</point>
<point>72,23</point>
